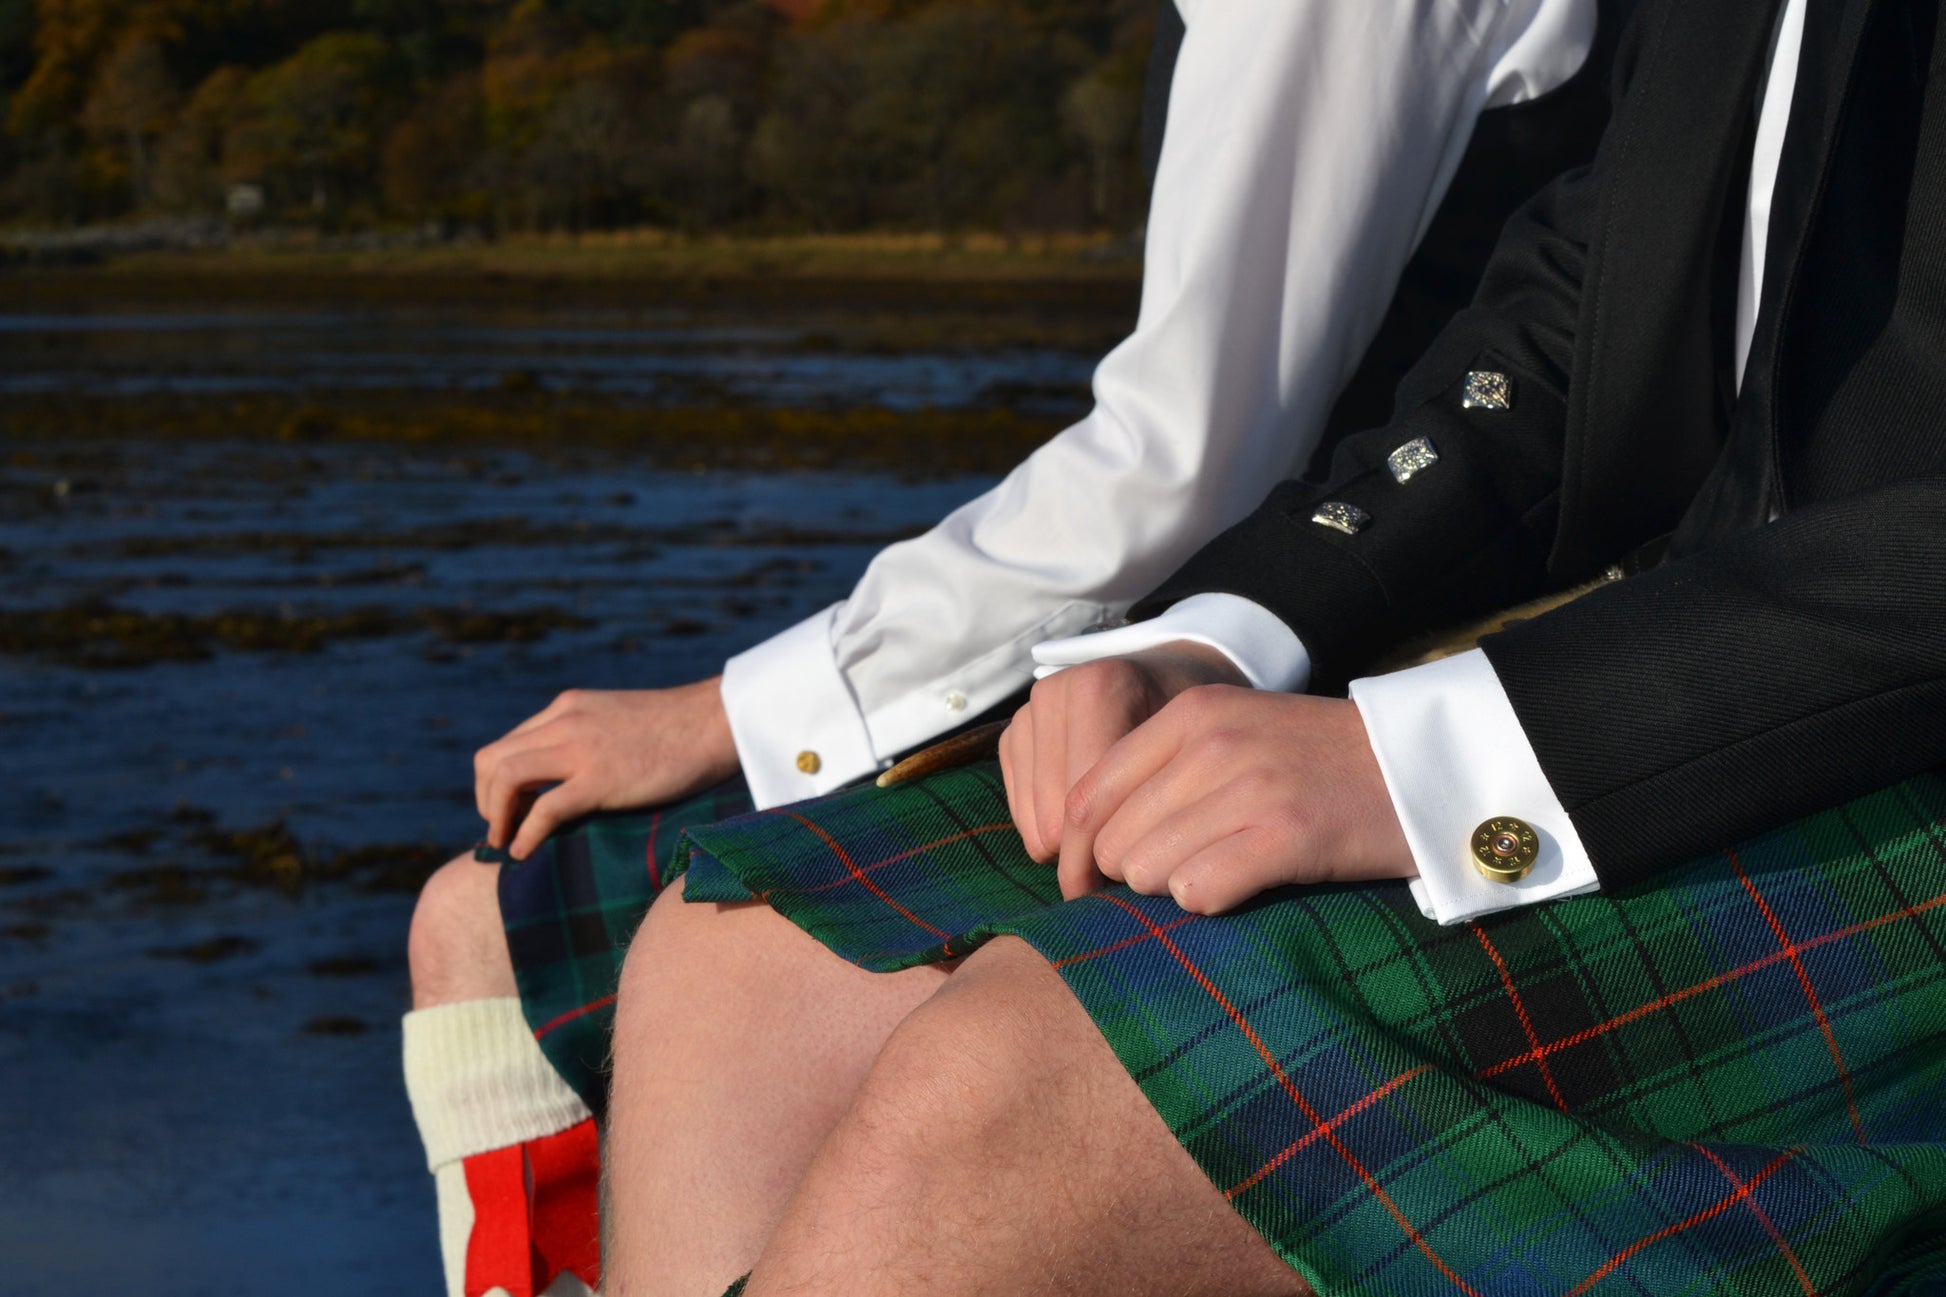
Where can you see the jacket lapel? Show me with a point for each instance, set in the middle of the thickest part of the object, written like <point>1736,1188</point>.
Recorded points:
<point>1641,433</point>
<point>1745,486</point>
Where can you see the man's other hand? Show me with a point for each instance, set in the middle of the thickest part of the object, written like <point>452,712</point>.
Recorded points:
<point>602,751</point>
<point>1229,792</point>
<point>1071,720</point>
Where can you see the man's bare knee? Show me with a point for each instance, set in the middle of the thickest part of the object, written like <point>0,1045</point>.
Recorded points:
<point>962,1076</point>
<point>998,1145</point>
<point>457,949</point>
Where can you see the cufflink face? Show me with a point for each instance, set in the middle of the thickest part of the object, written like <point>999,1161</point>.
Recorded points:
<point>1411,459</point>
<point>1339,516</point>
<point>1504,849</point>
<point>1486,390</point>
<point>809,762</point>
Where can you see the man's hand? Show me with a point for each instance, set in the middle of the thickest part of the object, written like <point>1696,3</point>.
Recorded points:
<point>604,751</point>
<point>1229,792</point>
<point>1074,716</point>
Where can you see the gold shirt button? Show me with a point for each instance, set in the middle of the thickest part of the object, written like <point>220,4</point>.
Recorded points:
<point>1504,849</point>
<point>809,762</point>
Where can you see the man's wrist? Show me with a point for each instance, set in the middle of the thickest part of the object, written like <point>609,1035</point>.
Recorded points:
<point>1186,664</point>
<point>713,730</point>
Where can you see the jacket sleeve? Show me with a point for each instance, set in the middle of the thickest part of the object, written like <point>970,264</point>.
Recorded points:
<point>1784,671</point>
<point>1468,534</point>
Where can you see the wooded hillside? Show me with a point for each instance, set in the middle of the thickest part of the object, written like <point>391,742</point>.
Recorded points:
<point>513,115</point>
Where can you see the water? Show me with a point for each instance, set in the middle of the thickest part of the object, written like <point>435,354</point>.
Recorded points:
<point>200,1073</point>
<point>640,355</point>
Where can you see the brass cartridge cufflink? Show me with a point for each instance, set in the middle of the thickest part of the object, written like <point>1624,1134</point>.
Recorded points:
<point>1504,849</point>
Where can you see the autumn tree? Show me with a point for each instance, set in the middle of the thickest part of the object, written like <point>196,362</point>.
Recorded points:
<point>432,167</point>
<point>189,159</point>
<point>537,113</point>
<point>133,101</point>
<point>311,127</point>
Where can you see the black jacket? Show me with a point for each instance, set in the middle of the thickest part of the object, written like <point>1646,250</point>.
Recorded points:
<point>1766,669</point>
<point>1512,153</point>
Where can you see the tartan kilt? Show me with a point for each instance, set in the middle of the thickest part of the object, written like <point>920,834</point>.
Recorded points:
<point>1730,1080</point>
<point>570,910</point>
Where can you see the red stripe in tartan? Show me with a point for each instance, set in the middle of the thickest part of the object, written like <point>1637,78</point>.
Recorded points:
<point>1256,1177</point>
<point>1136,940</point>
<point>1290,1088</point>
<point>1810,994</point>
<point>1660,1003</point>
<point>870,886</point>
<point>655,875</point>
<point>1803,1279</point>
<point>572,1014</point>
<point>860,871</point>
<point>1527,1026</point>
<point>1741,1194</point>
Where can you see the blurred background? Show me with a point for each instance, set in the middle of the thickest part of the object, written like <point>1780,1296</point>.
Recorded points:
<point>372,370</point>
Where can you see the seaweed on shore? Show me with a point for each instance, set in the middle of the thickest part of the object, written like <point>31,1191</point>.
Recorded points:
<point>916,444</point>
<point>344,966</point>
<point>270,855</point>
<point>645,542</point>
<point>210,951</point>
<point>336,1025</point>
<point>96,634</point>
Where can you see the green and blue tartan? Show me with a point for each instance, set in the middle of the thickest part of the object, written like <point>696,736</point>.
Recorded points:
<point>1732,1080</point>
<point>570,910</point>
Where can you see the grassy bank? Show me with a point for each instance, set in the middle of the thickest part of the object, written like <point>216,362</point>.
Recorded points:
<point>1084,275</point>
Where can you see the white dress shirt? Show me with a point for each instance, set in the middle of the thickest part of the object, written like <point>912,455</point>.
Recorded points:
<point>1309,144</point>
<point>1446,737</point>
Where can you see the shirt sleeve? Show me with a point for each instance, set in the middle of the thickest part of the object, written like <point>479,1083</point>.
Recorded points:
<point>1454,756</point>
<point>1309,144</point>
<point>1263,648</point>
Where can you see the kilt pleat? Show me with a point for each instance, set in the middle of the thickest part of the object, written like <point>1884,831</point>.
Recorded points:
<point>1730,1080</point>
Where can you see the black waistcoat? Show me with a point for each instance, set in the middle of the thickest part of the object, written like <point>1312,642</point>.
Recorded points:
<point>1851,329</point>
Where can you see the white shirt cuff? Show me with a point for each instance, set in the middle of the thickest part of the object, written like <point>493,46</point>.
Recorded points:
<point>797,728</point>
<point>1266,650</point>
<point>1454,756</point>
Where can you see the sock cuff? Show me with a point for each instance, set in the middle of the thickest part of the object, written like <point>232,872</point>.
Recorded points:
<point>478,1081</point>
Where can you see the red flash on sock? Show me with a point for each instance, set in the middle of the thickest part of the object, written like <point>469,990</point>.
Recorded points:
<point>535,1214</point>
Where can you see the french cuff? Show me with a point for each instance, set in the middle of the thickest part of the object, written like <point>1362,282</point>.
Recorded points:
<point>1268,652</point>
<point>1454,759</point>
<point>797,729</point>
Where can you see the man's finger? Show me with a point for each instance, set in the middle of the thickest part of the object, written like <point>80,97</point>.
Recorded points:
<point>1011,766</point>
<point>487,761</point>
<point>1130,762</point>
<point>1138,757</point>
<point>514,775</point>
<point>1048,789</point>
<point>549,812</point>
<point>1225,874</point>
<point>1096,722</point>
<point>1167,823</point>
<point>1076,870</point>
